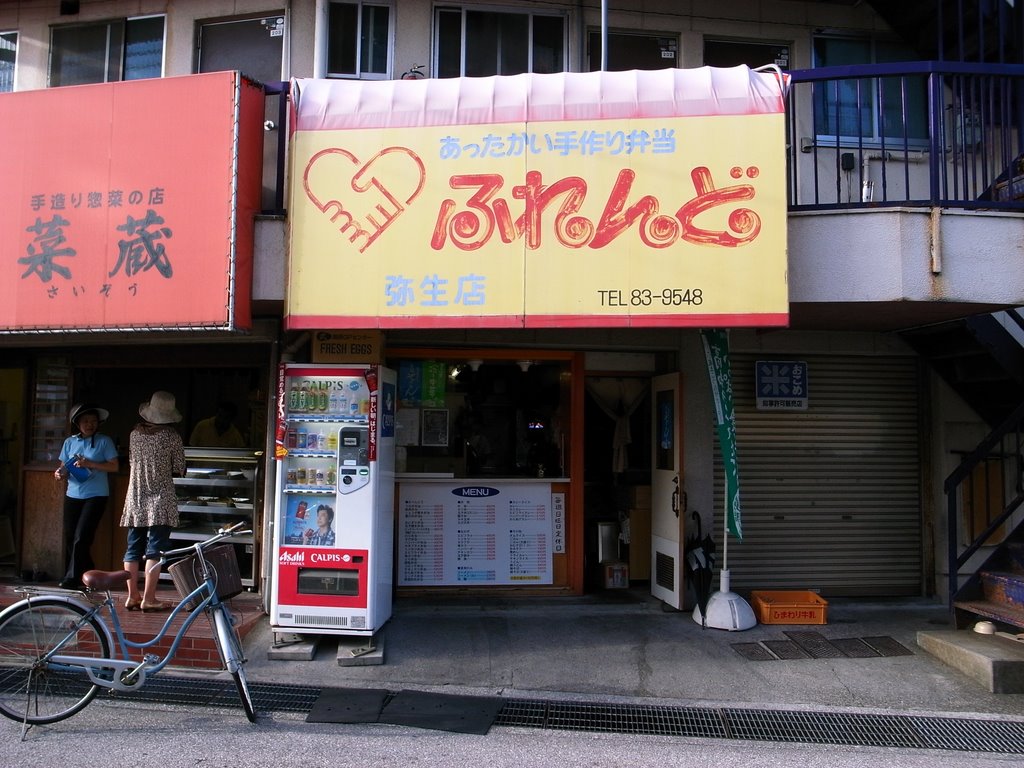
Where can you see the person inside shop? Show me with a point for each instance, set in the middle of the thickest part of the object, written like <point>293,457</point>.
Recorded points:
<point>219,431</point>
<point>86,459</point>
<point>323,536</point>
<point>155,455</point>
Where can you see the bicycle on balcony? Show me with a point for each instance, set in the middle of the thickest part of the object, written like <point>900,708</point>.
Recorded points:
<point>58,648</point>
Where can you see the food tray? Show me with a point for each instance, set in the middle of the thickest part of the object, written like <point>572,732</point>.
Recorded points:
<point>790,607</point>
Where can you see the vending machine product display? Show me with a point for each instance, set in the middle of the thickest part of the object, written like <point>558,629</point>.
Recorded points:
<point>334,511</point>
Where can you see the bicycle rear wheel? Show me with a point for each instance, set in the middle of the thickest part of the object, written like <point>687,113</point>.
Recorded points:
<point>34,692</point>
<point>231,653</point>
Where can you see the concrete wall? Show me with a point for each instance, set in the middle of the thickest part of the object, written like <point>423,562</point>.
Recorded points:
<point>901,254</point>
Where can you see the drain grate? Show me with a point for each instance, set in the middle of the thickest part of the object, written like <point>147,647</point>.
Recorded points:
<point>852,729</point>
<point>821,728</point>
<point>268,697</point>
<point>639,720</point>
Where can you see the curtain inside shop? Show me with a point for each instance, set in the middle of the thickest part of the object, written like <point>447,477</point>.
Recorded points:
<point>618,398</point>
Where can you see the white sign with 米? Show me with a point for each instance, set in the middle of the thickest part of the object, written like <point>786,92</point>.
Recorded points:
<point>781,385</point>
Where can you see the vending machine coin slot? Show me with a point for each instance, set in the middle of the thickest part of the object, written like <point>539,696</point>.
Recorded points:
<point>353,458</point>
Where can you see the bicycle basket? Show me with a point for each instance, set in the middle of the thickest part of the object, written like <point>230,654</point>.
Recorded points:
<point>187,573</point>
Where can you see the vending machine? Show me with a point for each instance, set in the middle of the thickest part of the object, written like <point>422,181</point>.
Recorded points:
<point>334,511</point>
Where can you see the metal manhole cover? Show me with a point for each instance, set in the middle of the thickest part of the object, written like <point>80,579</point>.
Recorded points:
<point>786,650</point>
<point>854,648</point>
<point>816,644</point>
<point>753,652</point>
<point>886,646</point>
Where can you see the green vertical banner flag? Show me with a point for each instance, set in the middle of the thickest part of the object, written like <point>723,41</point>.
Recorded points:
<point>716,352</point>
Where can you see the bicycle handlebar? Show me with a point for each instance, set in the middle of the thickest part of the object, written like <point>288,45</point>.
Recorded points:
<point>222,533</point>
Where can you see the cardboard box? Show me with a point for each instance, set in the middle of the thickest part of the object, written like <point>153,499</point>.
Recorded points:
<point>789,607</point>
<point>640,544</point>
<point>640,497</point>
<point>616,576</point>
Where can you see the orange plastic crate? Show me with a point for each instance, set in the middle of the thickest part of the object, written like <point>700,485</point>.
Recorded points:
<point>789,607</point>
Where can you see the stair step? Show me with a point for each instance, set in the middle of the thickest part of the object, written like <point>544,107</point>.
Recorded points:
<point>1004,587</point>
<point>989,609</point>
<point>994,662</point>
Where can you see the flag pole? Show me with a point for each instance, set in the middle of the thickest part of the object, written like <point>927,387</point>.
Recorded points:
<point>725,609</point>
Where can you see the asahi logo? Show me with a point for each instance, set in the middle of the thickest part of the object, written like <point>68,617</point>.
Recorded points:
<point>291,558</point>
<point>475,491</point>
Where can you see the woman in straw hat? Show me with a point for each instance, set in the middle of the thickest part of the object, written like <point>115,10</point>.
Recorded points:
<point>156,454</point>
<point>86,458</point>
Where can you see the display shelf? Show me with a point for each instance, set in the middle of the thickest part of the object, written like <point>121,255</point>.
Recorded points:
<point>50,404</point>
<point>220,486</point>
<point>202,533</point>
<point>329,418</point>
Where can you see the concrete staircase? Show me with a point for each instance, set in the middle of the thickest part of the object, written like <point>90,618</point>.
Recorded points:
<point>996,591</point>
<point>991,599</point>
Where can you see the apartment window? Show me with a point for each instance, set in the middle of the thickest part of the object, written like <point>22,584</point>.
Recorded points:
<point>120,49</point>
<point>628,50</point>
<point>869,109</point>
<point>8,50</point>
<point>733,53</point>
<point>478,43</point>
<point>358,40</point>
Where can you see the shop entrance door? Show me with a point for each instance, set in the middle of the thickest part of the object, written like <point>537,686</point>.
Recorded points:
<point>668,522</point>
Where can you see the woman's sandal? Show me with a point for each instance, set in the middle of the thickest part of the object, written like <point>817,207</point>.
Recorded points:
<point>132,605</point>
<point>155,606</point>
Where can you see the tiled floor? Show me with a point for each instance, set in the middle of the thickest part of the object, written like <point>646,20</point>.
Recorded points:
<point>197,648</point>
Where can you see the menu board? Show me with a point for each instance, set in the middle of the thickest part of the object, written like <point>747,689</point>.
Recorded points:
<point>452,534</point>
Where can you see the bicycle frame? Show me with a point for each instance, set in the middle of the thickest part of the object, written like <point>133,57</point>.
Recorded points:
<point>124,673</point>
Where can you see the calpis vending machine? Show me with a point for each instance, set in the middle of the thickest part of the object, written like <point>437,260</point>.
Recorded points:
<point>334,516</point>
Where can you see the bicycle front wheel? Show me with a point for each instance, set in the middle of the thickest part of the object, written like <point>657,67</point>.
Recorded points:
<point>231,653</point>
<point>32,691</point>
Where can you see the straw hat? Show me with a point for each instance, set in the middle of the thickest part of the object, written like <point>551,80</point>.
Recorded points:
<point>160,409</point>
<point>80,409</point>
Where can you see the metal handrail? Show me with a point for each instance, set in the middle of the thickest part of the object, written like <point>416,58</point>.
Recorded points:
<point>1006,440</point>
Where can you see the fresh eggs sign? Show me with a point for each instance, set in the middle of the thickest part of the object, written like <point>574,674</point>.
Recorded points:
<point>650,198</point>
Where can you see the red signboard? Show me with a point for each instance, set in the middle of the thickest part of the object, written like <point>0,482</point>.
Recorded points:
<point>130,205</point>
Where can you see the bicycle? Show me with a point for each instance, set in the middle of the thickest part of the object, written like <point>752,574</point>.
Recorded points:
<point>55,649</point>
<point>415,72</point>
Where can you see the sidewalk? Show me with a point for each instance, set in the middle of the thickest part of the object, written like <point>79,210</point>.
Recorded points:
<point>624,646</point>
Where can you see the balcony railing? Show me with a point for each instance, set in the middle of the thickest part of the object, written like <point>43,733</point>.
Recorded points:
<point>913,133</point>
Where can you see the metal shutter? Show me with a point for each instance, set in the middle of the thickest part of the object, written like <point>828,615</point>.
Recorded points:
<point>830,496</point>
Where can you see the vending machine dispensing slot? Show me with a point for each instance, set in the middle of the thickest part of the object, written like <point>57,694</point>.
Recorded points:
<point>328,581</point>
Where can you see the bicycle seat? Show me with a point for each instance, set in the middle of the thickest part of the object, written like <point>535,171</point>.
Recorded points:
<point>104,580</point>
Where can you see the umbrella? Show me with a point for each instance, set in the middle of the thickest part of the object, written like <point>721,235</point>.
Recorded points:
<point>700,564</point>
